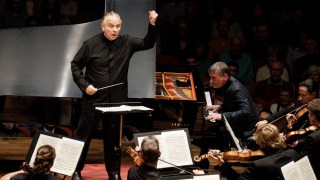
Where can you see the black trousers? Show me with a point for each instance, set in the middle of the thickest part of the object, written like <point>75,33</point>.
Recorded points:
<point>88,123</point>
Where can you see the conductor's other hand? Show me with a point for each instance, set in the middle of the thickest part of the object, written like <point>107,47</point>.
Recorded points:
<point>91,90</point>
<point>153,17</point>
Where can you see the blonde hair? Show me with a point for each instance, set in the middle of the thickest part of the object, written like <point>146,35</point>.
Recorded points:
<point>268,137</point>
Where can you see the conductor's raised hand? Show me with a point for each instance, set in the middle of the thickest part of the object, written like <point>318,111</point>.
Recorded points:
<point>153,15</point>
<point>91,90</point>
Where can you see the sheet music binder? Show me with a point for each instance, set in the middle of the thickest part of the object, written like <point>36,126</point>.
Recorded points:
<point>62,151</point>
<point>181,149</point>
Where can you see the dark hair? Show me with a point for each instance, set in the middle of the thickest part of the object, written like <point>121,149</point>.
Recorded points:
<point>311,85</point>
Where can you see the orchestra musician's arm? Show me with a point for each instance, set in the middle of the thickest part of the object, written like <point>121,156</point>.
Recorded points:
<point>276,116</point>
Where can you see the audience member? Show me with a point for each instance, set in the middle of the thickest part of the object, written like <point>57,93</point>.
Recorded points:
<point>68,8</point>
<point>12,130</point>
<point>258,48</point>
<point>180,41</point>
<point>284,101</point>
<point>302,64</point>
<point>233,66</point>
<point>236,53</point>
<point>234,29</point>
<point>264,71</point>
<point>50,128</point>
<point>221,43</point>
<point>170,10</point>
<point>296,48</point>
<point>40,169</point>
<point>15,16</point>
<point>51,14</point>
<point>271,142</point>
<point>269,89</point>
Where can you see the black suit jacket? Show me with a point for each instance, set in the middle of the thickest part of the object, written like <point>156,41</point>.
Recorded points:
<point>238,107</point>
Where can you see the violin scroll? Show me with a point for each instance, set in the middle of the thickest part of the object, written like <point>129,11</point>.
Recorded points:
<point>135,155</point>
<point>198,158</point>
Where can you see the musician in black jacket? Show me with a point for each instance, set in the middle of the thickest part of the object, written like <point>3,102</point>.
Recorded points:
<point>105,58</point>
<point>266,168</point>
<point>150,153</point>
<point>310,145</point>
<point>308,90</point>
<point>238,106</point>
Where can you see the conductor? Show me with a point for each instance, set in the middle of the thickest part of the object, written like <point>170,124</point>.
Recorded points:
<point>106,58</point>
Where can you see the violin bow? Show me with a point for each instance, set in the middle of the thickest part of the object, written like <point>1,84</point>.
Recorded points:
<point>175,166</point>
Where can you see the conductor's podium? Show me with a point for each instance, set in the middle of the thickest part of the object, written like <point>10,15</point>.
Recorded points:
<point>16,148</point>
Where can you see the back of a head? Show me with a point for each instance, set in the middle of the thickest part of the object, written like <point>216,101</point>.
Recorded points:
<point>44,159</point>
<point>314,108</point>
<point>150,150</point>
<point>268,137</point>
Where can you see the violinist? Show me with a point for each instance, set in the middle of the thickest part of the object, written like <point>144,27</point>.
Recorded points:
<point>150,153</point>
<point>40,169</point>
<point>271,143</point>
<point>310,145</point>
<point>308,90</point>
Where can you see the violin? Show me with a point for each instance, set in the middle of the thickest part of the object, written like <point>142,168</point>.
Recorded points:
<point>136,156</point>
<point>300,112</point>
<point>295,135</point>
<point>234,156</point>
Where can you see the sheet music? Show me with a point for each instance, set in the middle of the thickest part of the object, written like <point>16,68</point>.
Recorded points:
<point>123,108</point>
<point>235,139</point>
<point>68,152</point>
<point>300,170</point>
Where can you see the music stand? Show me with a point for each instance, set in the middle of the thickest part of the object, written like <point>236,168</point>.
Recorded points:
<point>111,108</point>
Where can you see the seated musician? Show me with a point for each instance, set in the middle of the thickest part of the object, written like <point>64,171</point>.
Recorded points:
<point>308,90</point>
<point>146,168</point>
<point>310,144</point>
<point>238,106</point>
<point>271,143</point>
<point>41,168</point>
<point>150,153</point>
